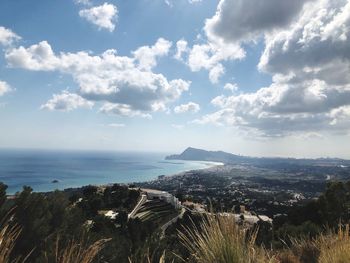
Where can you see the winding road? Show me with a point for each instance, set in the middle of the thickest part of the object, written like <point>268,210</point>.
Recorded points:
<point>138,206</point>
<point>172,221</point>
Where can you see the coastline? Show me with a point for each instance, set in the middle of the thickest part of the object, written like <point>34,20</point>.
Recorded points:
<point>211,166</point>
<point>48,182</point>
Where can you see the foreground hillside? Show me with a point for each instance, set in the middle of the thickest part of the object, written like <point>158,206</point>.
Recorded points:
<point>100,224</point>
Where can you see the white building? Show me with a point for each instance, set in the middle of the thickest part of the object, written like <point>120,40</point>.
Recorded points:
<point>162,195</point>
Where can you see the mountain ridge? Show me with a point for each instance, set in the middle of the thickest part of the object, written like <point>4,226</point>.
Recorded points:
<point>195,154</point>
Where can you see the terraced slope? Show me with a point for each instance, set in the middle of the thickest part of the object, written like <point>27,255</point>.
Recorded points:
<point>156,211</point>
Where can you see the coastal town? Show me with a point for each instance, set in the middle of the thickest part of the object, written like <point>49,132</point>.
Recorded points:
<point>223,188</point>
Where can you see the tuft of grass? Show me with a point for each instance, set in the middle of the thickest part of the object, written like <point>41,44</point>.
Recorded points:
<point>9,234</point>
<point>334,248</point>
<point>8,237</point>
<point>331,247</point>
<point>77,251</point>
<point>219,239</point>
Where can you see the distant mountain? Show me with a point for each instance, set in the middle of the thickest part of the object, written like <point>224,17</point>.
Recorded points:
<point>193,154</point>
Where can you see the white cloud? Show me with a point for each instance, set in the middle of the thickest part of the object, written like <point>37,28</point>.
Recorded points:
<point>118,80</point>
<point>246,20</point>
<point>219,101</point>
<point>209,56</point>
<point>83,2</point>
<point>237,22</point>
<point>4,88</point>
<point>216,72</point>
<point>310,136</point>
<point>116,125</point>
<point>282,109</point>
<point>231,87</point>
<point>316,46</point>
<point>169,3</point>
<point>181,48</point>
<point>36,57</point>
<point>214,119</point>
<point>189,107</point>
<point>339,114</point>
<point>146,56</point>
<point>123,110</point>
<point>66,102</point>
<point>103,16</point>
<point>7,37</point>
<point>309,61</point>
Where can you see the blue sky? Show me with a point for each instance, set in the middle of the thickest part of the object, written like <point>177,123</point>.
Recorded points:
<point>250,77</point>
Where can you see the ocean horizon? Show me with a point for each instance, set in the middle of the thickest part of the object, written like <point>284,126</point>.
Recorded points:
<point>48,170</point>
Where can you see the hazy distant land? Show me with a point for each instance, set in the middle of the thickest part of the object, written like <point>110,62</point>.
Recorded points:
<point>265,185</point>
<point>229,158</point>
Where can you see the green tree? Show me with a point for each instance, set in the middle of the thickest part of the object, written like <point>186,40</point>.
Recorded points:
<point>3,188</point>
<point>33,215</point>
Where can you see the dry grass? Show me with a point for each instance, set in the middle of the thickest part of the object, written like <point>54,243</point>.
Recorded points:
<point>219,239</point>
<point>77,252</point>
<point>9,234</point>
<point>287,257</point>
<point>334,248</point>
<point>8,237</point>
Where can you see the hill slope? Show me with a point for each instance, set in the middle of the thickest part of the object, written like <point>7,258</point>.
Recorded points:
<point>194,154</point>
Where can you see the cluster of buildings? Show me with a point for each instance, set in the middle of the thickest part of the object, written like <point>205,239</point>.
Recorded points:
<point>153,194</point>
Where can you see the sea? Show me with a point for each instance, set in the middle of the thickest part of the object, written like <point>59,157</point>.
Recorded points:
<point>47,170</point>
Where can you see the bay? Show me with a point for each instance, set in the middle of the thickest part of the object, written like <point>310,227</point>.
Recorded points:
<point>47,170</point>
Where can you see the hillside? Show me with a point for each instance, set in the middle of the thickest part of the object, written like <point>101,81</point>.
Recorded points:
<point>194,154</point>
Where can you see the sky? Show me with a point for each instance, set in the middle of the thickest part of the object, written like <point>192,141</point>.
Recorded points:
<point>251,77</point>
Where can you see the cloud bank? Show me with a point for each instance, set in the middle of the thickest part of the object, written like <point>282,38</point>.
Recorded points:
<point>67,102</point>
<point>235,23</point>
<point>190,107</point>
<point>238,21</point>
<point>308,54</point>
<point>127,85</point>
